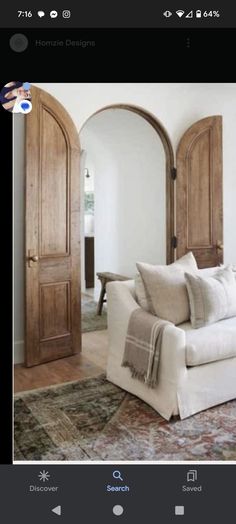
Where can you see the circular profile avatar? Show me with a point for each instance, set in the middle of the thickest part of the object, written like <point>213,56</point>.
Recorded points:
<point>16,97</point>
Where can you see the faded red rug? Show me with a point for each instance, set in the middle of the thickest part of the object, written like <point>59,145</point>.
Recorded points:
<point>93,419</point>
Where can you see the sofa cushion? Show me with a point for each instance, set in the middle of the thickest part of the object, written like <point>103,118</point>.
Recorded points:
<point>166,288</point>
<point>210,343</point>
<point>211,298</point>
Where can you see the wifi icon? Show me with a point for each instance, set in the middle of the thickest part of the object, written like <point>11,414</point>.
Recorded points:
<point>180,13</point>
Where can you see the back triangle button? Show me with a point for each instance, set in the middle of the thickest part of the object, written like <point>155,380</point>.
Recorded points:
<point>57,510</point>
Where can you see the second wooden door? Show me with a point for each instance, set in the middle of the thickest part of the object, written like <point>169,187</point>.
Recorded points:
<point>199,198</point>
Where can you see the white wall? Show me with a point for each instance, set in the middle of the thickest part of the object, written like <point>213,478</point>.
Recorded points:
<point>128,161</point>
<point>177,106</point>
<point>19,174</point>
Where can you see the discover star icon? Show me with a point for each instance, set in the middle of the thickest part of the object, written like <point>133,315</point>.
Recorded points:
<point>44,475</point>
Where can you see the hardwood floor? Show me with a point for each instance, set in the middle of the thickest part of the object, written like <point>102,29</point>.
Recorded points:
<point>89,363</point>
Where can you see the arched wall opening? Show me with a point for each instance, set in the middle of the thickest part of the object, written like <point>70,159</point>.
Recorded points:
<point>126,191</point>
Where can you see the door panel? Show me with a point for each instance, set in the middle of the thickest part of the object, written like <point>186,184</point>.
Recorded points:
<point>54,175</point>
<point>54,310</point>
<point>52,232</point>
<point>199,190</point>
<point>199,206</point>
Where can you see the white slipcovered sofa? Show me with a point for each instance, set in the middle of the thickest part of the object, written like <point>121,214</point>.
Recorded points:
<point>197,368</point>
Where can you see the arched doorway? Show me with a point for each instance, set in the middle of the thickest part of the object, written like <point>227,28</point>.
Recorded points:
<point>169,163</point>
<point>129,161</point>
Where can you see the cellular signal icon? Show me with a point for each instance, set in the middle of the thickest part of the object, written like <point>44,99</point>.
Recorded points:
<point>180,13</point>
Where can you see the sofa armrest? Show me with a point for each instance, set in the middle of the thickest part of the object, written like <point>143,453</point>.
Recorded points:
<point>121,303</point>
<point>172,367</point>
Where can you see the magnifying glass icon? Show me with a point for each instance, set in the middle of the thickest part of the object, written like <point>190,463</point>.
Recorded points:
<point>117,475</point>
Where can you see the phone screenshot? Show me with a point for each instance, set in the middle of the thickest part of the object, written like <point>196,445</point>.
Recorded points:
<point>118,389</point>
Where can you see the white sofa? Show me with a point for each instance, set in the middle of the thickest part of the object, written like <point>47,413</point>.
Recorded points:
<point>197,368</point>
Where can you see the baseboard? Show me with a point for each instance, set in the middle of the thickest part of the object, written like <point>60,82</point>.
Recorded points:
<point>19,351</point>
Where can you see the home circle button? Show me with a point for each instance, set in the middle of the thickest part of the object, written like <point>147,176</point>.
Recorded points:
<point>118,510</point>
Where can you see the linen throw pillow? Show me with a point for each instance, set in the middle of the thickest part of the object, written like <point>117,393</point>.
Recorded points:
<point>211,298</point>
<point>166,290</point>
<point>142,297</point>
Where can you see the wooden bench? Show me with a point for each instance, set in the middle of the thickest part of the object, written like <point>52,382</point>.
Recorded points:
<point>105,278</point>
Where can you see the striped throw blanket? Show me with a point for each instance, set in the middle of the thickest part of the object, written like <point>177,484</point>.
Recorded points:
<point>143,345</point>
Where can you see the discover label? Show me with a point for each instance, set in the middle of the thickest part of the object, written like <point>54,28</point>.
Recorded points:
<point>35,489</point>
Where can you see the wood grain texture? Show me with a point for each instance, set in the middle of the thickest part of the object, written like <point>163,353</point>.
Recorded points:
<point>199,199</point>
<point>55,316</point>
<point>54,179</point>
<point>32,232</point>
<point>53,325</point>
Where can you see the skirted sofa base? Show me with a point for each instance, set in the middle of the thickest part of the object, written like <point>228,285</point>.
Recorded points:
<point>182,389</point>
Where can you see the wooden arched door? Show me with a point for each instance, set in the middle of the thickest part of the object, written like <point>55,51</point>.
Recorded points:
<point>199,198</point>
<point>52,241</point>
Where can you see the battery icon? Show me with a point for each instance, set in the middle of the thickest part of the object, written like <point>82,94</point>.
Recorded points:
<point>198,14</point>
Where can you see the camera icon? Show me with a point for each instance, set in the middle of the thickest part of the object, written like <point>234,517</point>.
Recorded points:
<point>66,14</point>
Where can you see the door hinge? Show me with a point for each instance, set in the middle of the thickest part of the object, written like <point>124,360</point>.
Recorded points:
<point>173,173</point>
<point>174,242</point>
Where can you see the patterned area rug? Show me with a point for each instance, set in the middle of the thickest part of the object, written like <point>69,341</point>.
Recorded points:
<point>90,320</point>
<point>94,419</point>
